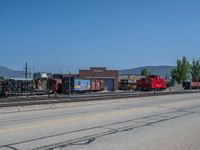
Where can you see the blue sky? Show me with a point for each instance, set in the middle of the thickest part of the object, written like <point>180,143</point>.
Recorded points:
<point>54,35</point>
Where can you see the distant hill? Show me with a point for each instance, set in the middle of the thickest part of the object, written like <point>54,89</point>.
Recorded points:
<point>9,73</point>
<point>156,70</point>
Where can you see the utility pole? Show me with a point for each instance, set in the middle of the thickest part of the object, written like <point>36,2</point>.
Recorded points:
<point>33,72</point>
<point>69,84</point>
<point>26,70</point>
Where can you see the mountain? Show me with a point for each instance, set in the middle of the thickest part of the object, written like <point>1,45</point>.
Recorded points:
<point>156,70</point>
<point>5,72</point>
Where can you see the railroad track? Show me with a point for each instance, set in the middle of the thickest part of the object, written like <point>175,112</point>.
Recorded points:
<point>39,100</point>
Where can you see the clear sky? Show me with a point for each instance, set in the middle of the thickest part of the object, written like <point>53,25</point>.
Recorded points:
<point>54,35</point>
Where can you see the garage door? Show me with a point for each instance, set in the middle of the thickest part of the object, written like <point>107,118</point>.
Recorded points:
<point>109,84</point>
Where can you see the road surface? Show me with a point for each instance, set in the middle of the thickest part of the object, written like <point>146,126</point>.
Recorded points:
<point>153,123</point>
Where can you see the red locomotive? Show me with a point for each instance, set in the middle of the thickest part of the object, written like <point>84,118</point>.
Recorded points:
<point>151,82</point>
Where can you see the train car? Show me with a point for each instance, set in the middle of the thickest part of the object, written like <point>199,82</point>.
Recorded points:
<point>56,85</point>
<point>81,85</point>
<point>97,85</point>
<point>41,85</point>
<point>191,85</point>
<point>128,81</point>
<point>2,87</point>
<point>17,86</point>
<point>77,85</point>
<point>151,82</point>
<point>126,85</point>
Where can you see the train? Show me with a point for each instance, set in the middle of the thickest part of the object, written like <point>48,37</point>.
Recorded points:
<point>65,84</point>
<point>48,85</point>
<point>148,83</point>
<point>61,84</point>
<point>151,82</point>
<point>75,85</point>
<point>191,85</point>
<point>81,85</point>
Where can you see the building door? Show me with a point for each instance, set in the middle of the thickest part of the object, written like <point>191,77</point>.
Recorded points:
<point>109,84</point>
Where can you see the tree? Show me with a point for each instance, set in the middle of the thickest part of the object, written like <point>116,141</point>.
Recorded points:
<point>145,72</point>
<point>182,70</point>
<point>195,70</point>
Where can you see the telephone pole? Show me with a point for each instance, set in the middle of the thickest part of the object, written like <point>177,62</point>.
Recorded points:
<point>69,84</point>
<point>26,70</point>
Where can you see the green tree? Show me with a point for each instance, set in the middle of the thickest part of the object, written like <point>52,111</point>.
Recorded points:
<point>145,72</point>
<point>195,70</point>
<point>182,70</point>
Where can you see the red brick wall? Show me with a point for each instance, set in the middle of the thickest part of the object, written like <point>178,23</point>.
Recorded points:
<point>96,72</point>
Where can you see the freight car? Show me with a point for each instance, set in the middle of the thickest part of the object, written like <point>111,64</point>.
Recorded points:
<point>2,87</point>
<point>75,85</point>
<point>97,85</point>
<point>55,85</point>
<point>151,82</point>
<point>126,85</point>
<point>191,85</point>
<point>41,85</point>
<point>18,86</point>
<point>128,82</point>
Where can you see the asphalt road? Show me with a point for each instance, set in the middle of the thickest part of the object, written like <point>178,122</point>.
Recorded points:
<point>153,123</point>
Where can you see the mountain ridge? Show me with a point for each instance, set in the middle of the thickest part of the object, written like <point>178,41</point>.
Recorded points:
<point>10,73</point>
<point>161,70</point>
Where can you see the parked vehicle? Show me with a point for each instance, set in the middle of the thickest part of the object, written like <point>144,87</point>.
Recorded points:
<point>151,82</point>
<point>191,85</point>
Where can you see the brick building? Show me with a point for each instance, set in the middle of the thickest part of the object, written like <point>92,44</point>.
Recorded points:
<point>110,77</point>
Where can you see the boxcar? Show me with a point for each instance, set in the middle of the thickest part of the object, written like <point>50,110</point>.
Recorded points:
<point>77,85</point>
<point>97,85</point>
<point>81,85</point>
<point>191,85</point>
